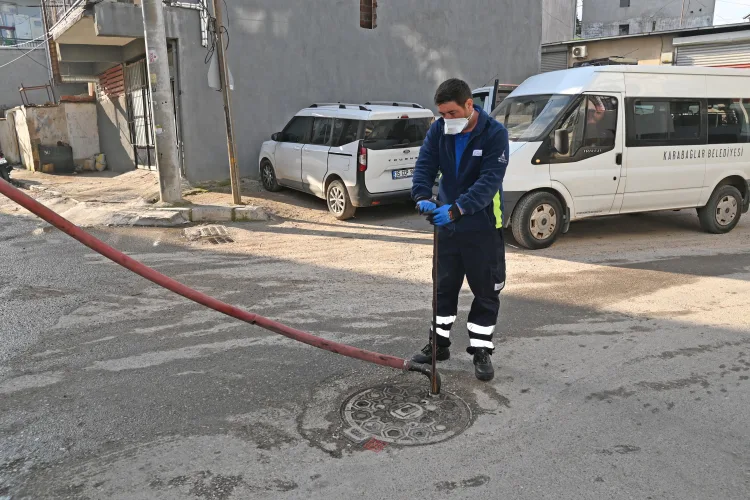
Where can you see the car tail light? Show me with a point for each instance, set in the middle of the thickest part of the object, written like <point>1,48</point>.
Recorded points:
<point>362,158</point>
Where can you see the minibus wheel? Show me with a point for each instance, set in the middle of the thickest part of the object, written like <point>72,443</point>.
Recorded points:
<point>723,210</point>
<point>537,220</point>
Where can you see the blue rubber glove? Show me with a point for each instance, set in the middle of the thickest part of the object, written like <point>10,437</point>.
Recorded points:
<point>441,216</point>
<point>425,206</point>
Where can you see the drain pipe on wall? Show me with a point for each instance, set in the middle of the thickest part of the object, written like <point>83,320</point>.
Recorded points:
<point>79,79</point>
<point>170,284</point>
<point>202,12</point>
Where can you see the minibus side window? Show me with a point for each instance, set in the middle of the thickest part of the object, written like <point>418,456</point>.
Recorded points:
<point>728,121</point>
<point>601,122</point>
<point>592,128</point>
<point>655,122</point>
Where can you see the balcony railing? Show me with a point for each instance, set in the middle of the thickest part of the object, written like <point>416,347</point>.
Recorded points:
<point>56,10</point>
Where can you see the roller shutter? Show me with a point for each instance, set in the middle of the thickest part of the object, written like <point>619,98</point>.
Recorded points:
<point>554,61</point>
<point>714,54</point>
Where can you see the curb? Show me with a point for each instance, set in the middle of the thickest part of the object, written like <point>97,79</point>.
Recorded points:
<point>148,216</point>
<point>211,213</point>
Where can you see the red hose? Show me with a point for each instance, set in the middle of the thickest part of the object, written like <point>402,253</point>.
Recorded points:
<point>150,274</point>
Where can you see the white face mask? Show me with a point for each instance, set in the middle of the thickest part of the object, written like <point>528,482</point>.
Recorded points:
<point>454,126</point>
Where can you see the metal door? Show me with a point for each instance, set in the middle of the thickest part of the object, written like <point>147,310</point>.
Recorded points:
<point>140,120</point>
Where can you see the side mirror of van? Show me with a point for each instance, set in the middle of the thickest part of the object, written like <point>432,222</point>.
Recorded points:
<point>276,137</point>
<point>562,141</point>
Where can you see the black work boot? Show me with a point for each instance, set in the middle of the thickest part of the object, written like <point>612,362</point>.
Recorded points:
<point>483,364</point>
<point>425,355</point>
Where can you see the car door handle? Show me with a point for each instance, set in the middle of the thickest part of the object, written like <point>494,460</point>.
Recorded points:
<point>618,158</point>
<point>297,148</point>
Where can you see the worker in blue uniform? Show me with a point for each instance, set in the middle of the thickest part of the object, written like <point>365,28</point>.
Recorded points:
<point>470,151</point>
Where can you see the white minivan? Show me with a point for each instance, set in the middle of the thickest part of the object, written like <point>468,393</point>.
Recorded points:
<point>488,98</point>
<point>351,155</point>
<point>610,140</point>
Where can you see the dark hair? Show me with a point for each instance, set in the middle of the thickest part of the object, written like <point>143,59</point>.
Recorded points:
<point>453,90</point>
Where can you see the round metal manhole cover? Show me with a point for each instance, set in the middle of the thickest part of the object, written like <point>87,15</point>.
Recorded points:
<point>404,415</point>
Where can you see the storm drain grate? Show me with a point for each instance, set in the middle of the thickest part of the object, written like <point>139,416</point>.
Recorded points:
<point>216,235</point>
<point>220,239</point>
<point>404,415</point>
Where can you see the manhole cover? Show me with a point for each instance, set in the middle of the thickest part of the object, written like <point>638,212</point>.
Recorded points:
<point>214,234</point>
<point>405,415</point>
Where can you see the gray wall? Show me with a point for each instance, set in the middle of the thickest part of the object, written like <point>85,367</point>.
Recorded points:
<point>558,20</point>
<point>604,17</point>
<point>114,135</point>
<point>287,54</point>
<point>29,70</point>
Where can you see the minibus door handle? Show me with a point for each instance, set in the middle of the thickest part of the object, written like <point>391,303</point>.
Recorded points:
<point>618,158</point>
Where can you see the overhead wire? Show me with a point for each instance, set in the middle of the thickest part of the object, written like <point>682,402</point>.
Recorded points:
<point>214,34</point>
<point>25,54</point>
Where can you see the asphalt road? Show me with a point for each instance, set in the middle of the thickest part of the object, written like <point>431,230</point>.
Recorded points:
<point>623,365</point>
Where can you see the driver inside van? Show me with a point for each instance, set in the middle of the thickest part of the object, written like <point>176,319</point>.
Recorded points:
<point>600,123</point>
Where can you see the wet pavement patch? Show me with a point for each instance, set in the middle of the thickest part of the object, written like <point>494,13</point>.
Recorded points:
<point>403,414</point>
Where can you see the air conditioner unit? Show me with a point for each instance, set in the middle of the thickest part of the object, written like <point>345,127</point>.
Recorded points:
<point>580,51</point>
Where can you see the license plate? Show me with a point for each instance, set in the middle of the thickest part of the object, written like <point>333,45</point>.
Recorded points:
<point>403,173</point>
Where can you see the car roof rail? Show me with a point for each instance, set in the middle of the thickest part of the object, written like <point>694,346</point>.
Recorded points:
<point>393,103</point>
<point>339,104</point>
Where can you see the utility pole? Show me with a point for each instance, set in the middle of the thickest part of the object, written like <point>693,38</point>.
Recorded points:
<point>234,174</point>
<point>162,107</point>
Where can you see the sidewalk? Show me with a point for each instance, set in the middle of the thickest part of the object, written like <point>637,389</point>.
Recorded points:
<point>130,199</point>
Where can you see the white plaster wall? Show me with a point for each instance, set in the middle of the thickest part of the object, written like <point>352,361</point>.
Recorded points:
<point>83,131</point>
<point>8,141</point>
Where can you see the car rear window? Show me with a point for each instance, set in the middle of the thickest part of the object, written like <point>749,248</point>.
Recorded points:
<point>393,134</point>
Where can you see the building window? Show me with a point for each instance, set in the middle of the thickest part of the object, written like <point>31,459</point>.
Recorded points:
<point>624,29</point>
<point>19,23</point>
<point>624,3</point>
<point>368,14</point>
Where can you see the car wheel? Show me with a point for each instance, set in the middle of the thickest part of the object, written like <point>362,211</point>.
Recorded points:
<point>723,210</point>
<point>268,177</point>
<point>4,173</point>
<point>339,204</point>
<point>537,220</point>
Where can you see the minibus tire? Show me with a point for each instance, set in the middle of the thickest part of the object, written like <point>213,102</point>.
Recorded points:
<point>531,204</point>
<point>723,196</point>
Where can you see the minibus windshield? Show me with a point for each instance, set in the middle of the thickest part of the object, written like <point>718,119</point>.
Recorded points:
<point>527,117</point>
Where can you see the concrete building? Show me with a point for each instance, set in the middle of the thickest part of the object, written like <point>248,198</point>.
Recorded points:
<point>284,55</point>
<point>606,18</point>
<point>23,56</point>
<point>558,20</point>
<point>716,46</point>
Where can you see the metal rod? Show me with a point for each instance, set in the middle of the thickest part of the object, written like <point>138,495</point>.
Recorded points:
<point>435,388</point>
<point>234,175</point>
